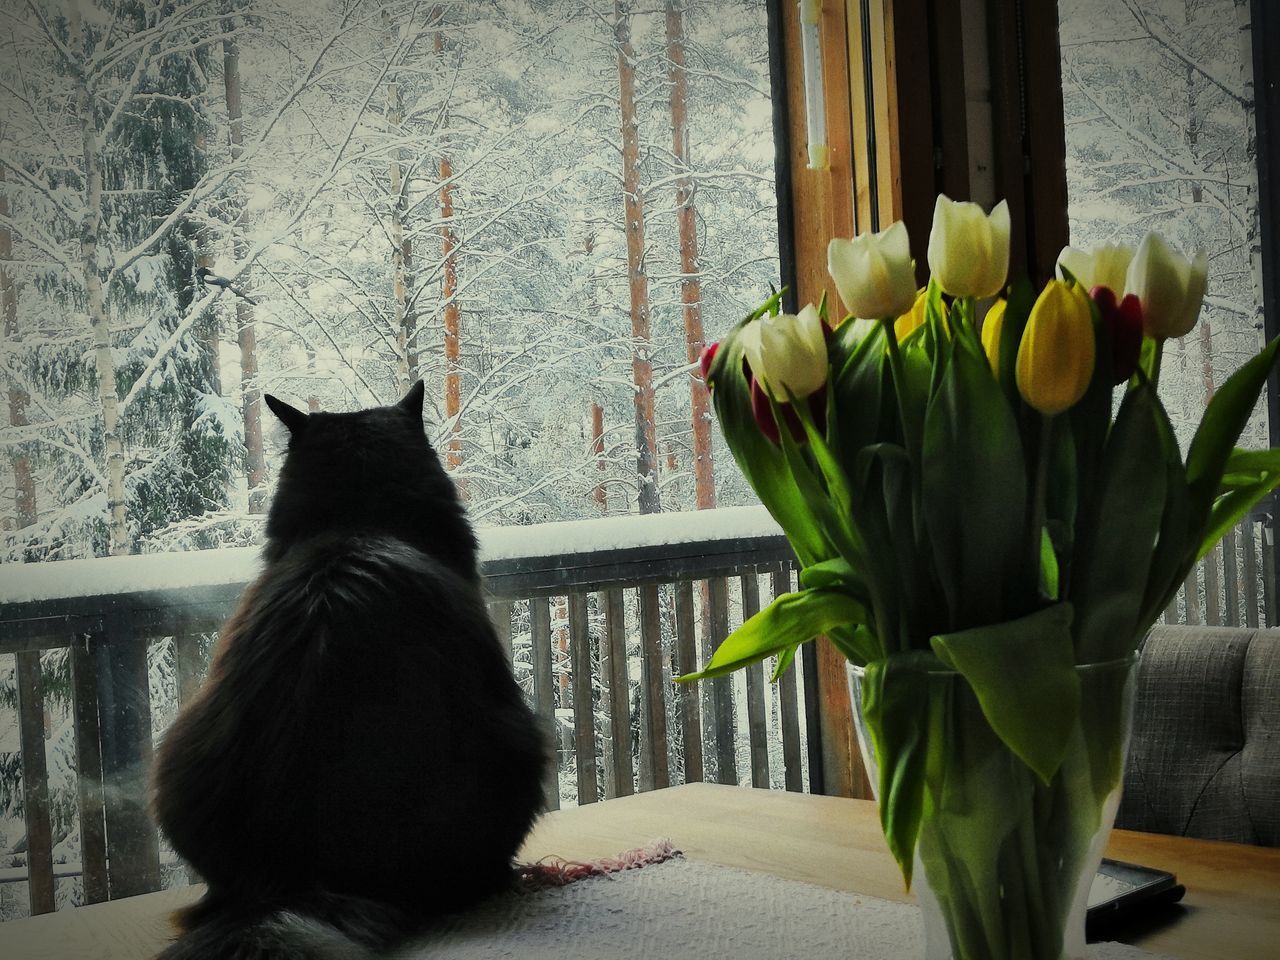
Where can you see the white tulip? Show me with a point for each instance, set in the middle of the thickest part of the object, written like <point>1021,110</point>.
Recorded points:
<point>1169,286</point>
<point>1104,266</point>
<point>874,273</point>
<point>787,353</point>
<point>969,250</point>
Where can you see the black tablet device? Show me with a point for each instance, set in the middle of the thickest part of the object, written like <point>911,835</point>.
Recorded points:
<point>1122,891</point>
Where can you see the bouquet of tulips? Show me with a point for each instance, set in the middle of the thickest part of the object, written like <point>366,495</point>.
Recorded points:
<point>961,499</point>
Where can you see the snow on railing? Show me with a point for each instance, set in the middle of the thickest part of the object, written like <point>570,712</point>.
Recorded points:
<point>501,548</point>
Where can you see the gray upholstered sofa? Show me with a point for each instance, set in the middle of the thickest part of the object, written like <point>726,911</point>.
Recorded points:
<point>1205,756</point>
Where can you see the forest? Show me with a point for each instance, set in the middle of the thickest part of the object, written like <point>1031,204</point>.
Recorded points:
<point>532,206</point>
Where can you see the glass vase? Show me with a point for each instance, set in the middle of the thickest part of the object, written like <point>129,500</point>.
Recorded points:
<point>1003,861</point>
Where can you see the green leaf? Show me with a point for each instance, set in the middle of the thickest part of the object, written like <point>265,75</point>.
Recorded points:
<point>1253,461</point>
<point>1017,310</point>
<point>1116,541</point>
<point>974,490</point>
<point>1048,566</point>
<point>1230,507</point>
<point>1023,674</point>
<point>764,465</point>
<point>863,394</point>
<point>785,659</point>
<point>1172,557</point>
<point>1090,419</point>
<point>1224,420</point>
<point>836,573</point>
<point>791,619</point>
<point>895,708</point>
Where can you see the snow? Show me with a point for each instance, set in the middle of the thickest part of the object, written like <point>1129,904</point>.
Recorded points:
<point>613,533</point>
<point>102,576</point>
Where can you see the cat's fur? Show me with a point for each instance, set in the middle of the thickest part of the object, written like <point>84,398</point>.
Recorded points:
<point>360,758</point>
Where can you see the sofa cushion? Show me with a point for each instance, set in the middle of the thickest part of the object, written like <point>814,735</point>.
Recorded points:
<point>1205,756</point>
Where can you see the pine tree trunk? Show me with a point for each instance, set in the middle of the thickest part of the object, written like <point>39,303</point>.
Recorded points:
<point>24,485</point>
<point>90,227</point>
<point>1197,196</point>
<point>1253,235</point>
<point>246,331</point>
<point>597,448</point>
<point>690,268</point>
<point>633,212</point>
<point>452,314</point>
<point>401,245</point>
<point>452,321</point>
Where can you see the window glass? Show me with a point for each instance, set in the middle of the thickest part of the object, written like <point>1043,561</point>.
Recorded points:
<point>1160,136</point>
<point>533,206</point>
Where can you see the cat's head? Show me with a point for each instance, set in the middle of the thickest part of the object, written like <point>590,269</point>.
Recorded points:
<point>370,471</point>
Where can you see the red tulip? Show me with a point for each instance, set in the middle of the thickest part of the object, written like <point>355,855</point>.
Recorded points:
<point>1124,322</point>
<point>706,359</point>
<point>763,414</point>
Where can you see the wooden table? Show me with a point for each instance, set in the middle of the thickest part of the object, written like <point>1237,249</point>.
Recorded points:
<point>1231,910</point>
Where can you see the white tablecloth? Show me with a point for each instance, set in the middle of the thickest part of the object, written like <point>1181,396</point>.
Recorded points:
<point>685,910</point>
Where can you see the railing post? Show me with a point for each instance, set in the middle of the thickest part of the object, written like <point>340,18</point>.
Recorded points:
<point>653,702</point>
<point>188,664</point>
<point>544,704</point>
<point>89,793</point>
<point>1250,572</point>
<point>1231,578</point>
<point>790,703</point>
<point>1212,609</point>
<point>35,782</point>
<point>687,693</point>
<point>124,716</point>
<point>500,615</point>
<point>757,731</point>
<point>619,685</point>
<point>720,689</point>
<point>583,699</point>
<point>1269,569</point>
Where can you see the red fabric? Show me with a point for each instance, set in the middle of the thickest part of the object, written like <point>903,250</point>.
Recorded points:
<point>556,872</point>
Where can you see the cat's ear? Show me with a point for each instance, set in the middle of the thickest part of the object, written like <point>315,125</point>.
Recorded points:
<point>412,402</point>
<point>291,417</point>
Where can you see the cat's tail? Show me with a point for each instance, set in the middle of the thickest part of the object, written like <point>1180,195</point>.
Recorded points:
<point>321,926</point>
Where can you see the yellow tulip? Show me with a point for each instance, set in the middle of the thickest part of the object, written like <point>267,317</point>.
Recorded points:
<point>992,325</point>
<point>1056,356</point>
<point>914,318</point>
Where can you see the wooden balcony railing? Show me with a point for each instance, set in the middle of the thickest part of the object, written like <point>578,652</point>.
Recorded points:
<point>599,612</point>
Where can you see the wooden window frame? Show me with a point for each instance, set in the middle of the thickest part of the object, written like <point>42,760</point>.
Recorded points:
<point>922,97</point>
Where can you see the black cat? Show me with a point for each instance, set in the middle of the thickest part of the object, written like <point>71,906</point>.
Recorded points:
<point>360,758</point>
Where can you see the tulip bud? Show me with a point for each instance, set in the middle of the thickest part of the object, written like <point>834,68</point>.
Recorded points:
<point>787,353</point>
<point>992,326</point>
<point>1056,356</point>
<point>707,357</point>
<point>969,250</point>
<point>915,318</point>
<point>1123,321</point>
<point>1169,286</point>
<point>874,272</point>
<point>763,414</point>
<point>1103,266</point>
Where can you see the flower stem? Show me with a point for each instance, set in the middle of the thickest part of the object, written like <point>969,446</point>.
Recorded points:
<point>1035,518</point>
<point>1157,355</point>
<point>899,375</point>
